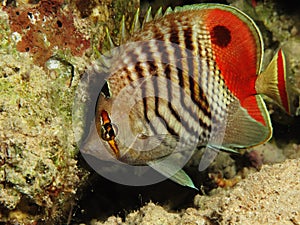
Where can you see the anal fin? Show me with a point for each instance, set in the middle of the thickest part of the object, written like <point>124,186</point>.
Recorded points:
<point>248,124</point>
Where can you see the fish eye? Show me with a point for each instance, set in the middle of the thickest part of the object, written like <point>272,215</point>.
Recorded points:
<point>108,129</point>
<point>107,132</point>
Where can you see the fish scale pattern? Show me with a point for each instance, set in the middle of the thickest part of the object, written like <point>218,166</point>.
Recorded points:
<point>177,49</point>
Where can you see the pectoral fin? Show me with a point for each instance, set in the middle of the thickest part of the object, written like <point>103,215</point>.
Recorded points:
<point>172,171</point>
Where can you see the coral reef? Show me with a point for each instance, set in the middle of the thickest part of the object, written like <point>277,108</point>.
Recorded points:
<point>44,28</point>
<point>37,149</point>
<point>44,47</point>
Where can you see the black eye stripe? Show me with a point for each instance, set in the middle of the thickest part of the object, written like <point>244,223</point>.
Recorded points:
<point>105,90</point>
<point>111,132</point>
<point>107,126</point>
<point>108,132</point>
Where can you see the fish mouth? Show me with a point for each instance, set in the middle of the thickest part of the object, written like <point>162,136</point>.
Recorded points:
<point>114,147</point>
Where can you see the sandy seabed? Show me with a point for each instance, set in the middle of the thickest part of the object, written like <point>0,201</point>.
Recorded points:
<point>270,196</point>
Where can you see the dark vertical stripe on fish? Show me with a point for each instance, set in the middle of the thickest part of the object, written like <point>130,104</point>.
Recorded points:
<point>158,35</point>
<point>139,70</point>
<point>128,74</point>
<point>163,45</point>
<point>178,56</point>
<point>188,38</point>
<point>174,38</point>
<point>158,114</point>
<point>200,100</point>
<point>157,103</point>
<point>152,67</point>
<point>145,106</point>
<point>169,86</point>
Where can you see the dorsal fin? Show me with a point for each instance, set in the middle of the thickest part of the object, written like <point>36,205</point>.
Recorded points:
<point>108,42</point>
<point>147,17</point>
<point>168,11</point>
<point>135,26</point>
<point>158,13</point>
<point>122,32</point>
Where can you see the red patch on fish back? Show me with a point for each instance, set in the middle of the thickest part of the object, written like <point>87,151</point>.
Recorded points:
<point>235,50</point>
<point>281,81</point>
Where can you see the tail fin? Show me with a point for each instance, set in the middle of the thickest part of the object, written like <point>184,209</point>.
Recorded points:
<point>272,82</point>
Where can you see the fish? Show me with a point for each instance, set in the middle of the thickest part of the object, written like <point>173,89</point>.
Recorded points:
<point>186,79</point>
